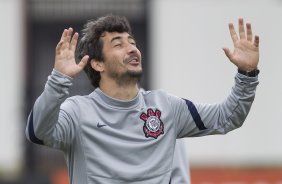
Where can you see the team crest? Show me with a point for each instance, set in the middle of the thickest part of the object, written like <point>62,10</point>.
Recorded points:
<point>153,125</point>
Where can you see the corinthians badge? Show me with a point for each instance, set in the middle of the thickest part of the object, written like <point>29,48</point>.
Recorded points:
<point>153,125</point>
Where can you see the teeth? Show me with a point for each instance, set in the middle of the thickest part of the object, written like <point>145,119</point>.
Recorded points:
<point>133,60</point>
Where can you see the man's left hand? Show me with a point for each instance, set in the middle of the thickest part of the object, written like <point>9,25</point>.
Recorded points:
<point>246,48</point>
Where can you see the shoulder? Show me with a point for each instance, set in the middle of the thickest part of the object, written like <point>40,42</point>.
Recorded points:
<point>76,99</point>
<point>161,95</point>
<point>150,93</point>
<point>74,103</point>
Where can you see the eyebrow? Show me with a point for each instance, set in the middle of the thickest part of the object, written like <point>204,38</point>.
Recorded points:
<point>119,38</point>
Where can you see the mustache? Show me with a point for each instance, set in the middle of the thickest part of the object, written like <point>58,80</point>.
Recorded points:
<point>132,57</point>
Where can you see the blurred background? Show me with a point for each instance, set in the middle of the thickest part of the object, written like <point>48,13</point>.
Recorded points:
<point>181,42</point>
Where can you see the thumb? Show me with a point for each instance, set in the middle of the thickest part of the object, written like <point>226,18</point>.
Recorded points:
<point>83,62</point>
<point>227,52</point>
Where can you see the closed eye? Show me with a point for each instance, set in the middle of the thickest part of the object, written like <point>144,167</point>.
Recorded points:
<point>117,45</point>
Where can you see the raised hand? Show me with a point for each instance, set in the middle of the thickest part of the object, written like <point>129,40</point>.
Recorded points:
<point>65,55</point>
<point>246,49</point>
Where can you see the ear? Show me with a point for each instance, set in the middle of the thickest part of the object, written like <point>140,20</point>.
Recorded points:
<point>97,65</point>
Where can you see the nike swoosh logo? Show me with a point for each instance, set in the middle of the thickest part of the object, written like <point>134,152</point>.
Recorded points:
<point>100,125</point>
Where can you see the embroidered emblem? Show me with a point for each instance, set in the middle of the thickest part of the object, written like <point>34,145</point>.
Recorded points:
<point>153,125</point>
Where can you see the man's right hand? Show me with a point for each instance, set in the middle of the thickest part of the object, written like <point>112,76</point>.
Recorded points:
<point>65,55</point>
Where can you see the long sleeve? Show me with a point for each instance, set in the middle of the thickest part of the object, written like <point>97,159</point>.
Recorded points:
<point>46,124</point>
<point>206,119</point>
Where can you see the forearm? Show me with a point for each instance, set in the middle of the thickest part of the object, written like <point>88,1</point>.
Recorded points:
<point>220,118</point>
<point>231,113</point>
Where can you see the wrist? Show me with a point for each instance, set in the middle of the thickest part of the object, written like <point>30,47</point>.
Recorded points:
<point>249,73</point>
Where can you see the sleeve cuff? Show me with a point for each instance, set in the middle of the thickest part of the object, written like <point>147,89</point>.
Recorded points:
<point>59,74</point>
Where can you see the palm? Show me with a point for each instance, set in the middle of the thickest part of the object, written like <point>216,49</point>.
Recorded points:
<point>65,58</point>
<point>246,54</point>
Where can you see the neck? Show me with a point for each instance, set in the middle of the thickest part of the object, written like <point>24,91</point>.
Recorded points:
<point>122,92</point>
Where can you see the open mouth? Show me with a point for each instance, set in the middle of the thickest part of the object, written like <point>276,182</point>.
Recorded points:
<point>133,60</point>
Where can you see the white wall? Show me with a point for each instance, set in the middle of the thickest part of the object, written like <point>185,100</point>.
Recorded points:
<point>187,60</point>
<point>11,92</point>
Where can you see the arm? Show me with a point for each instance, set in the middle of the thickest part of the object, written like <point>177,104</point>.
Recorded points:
<point>231,113</point>
<point>47,124</point>
<point>196,119</point>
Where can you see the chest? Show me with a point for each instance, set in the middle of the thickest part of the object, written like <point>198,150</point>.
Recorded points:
<point>143,123</point>
<point>136,136</point>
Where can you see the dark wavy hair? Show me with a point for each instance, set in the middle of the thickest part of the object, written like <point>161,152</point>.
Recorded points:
<point>91,44</point>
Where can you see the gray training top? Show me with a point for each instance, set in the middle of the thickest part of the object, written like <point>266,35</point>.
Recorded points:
<point>106,140</point>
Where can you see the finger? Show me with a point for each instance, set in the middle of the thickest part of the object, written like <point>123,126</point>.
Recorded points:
<point>59,47</point>
<point>74,41</point>
<point>232,33</point>
<point>64,34</point>
<point>241,29</point>
<point>69,34</point>
<point>64,39</point>
<point>249,32</point>
<point>83,62</point>
<point>256,42</point>
<point>227,53</point>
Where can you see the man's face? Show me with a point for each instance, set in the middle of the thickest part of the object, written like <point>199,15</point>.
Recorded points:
<point>122,59</point>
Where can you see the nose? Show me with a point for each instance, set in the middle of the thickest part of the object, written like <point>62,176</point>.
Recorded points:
<point>131,48</point>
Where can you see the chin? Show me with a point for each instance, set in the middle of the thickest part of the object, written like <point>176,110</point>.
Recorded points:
<point>135,73</point>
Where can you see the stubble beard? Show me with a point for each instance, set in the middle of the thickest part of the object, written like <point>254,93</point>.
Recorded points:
<point>127,78</point>
<point>122,75</point>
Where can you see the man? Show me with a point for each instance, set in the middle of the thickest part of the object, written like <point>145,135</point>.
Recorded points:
<point>118,133</point>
